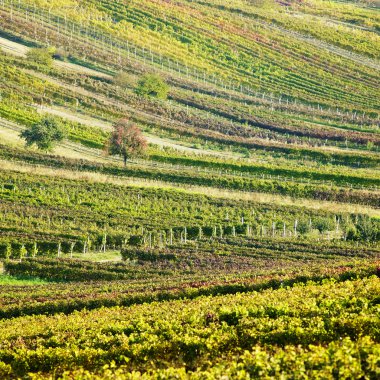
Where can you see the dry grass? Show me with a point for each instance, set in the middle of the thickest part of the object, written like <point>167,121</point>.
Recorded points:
<point>213,192</point>
<point>67,149</point>
<point>76,117</point>
<point>126,108</point>
<point>10,137</point>
<point>107,126</point>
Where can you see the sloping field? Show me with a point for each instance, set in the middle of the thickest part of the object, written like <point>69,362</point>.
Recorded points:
<point>243,243</point>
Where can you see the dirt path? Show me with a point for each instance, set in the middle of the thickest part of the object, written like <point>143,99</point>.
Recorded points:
<point>77,117</point>
<point>21,50</point>
<point>156,119</point>
<point>13,47</point>
<point>131,110</point>
<point>107,126</point>
<point>9,134</point>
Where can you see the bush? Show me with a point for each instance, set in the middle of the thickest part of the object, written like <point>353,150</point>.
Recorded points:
<point>323,224</point>
<point>368,229</point>
<point>303,227</point>
<point>40,56</point>
<point>44,133</point>
<point>152,85</point>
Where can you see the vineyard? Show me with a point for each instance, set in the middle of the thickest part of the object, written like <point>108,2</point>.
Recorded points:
<point>242,241</point>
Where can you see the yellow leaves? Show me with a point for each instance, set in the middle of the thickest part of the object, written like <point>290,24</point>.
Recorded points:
<point>174,334</point>
<point>5,370</point>
<point>53,4</point>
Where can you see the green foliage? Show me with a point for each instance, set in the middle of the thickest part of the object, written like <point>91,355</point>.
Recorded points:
<point>22,252</point>
<point>20,281</point>
<point>218,63</point>
<point>135,240</point>
<point>365,229</point>
<point>34,250</point>
<point>327,330</point>
<point>168,270</point>
<point>7,251</point>
<point>45,133</point>
<point>152,85</point>
<point>213,179</point>
<point>74,211</point>
<point>41,56</point>
<point>323,224</point>
<point>303,226</point>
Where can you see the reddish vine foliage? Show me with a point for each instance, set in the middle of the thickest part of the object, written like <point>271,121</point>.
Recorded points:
<point>126,140</point>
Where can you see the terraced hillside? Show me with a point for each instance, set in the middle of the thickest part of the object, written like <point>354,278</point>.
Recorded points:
<point>244,243</point>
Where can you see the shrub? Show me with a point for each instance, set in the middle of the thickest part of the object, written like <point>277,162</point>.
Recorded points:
<point>40,56</point>
<point>368,229</point>
<point>323,224</point>
<point>152,85</point>
<point>303,227</point>
<point>44,133</point>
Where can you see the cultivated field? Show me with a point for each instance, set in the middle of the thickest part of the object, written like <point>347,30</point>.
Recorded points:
<point>243,243</point>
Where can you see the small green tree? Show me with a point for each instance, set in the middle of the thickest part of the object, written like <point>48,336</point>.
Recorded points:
<point>126,141</point>
<point>45,133</point>
<point>40,56</point>
<point>323,224</point>
<point>303,227</point>
<point>368,229</point>
<point>152,85</point>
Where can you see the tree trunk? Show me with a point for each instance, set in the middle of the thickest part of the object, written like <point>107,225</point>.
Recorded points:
<point>125,160</point>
